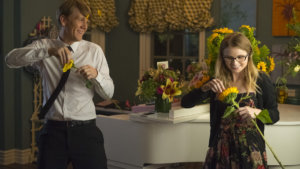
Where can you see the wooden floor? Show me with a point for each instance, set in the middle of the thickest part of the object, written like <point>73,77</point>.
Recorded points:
<point>18,166</point>
<point>172,166</point>
<point>25,166</point>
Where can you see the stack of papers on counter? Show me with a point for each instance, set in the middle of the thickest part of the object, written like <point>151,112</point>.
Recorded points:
<point>176,115</point>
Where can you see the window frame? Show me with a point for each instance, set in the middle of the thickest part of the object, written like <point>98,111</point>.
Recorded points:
<point>146,50</point>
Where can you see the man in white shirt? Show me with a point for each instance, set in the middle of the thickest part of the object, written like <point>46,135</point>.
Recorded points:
<point>70,133</point>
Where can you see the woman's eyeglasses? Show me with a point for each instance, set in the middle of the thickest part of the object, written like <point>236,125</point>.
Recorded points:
<point>238,58</point>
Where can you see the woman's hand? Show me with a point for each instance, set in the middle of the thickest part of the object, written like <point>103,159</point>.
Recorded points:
<point>215,85</point>
<point>248,112</point>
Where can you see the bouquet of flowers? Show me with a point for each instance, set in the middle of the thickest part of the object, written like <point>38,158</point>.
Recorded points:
<point>261,57</point>
<point>159,83</point>
<point>290,57</point>
<point>229,96</point>
<point>197,75</point>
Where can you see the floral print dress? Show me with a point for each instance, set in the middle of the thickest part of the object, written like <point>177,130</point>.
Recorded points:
<point>238,144</point>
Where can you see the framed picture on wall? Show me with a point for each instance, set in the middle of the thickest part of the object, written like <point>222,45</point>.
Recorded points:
<point>235,13</point>
<point>283,15</point>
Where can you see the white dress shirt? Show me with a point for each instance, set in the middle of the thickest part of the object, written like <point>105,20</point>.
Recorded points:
<point>75,101</point>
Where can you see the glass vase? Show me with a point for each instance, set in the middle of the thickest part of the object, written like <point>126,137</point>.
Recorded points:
<point>282,94</point>
<point>162,105</point>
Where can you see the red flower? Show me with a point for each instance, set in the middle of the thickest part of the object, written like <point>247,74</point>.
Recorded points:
<point>224,150</point>
<point>159,90</point>
<point>127,103</point>
<point>261,167</point>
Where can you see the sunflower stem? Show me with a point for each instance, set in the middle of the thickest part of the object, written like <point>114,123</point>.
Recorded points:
<point>274,154</point>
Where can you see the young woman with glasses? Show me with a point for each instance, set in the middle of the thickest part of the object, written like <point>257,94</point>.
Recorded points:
<point>235,142</point>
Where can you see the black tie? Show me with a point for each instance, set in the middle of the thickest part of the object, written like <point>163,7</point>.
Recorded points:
<point>54,95</point>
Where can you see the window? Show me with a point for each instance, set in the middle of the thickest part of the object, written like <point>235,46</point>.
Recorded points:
<point>178,48</point>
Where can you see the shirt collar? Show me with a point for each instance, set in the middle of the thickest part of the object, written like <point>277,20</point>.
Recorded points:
<point>74,45</point>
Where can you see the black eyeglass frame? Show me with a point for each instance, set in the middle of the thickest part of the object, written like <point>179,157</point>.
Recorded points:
<point>231,59</point>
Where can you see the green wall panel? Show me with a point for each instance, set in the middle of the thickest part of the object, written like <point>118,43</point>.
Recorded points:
<point>122,53</point>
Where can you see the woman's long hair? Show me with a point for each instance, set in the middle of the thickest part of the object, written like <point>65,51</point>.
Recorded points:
<point>251,74</point>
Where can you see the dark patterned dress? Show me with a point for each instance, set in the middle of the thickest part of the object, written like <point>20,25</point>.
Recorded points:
<point>238,144</point>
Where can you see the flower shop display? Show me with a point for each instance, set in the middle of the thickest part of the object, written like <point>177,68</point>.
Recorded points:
<point>290,60</point>
<point>160,86</point>
<point>229,96</point>
<point>261,57</point>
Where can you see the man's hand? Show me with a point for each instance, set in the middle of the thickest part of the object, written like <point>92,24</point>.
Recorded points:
<point>88,72</point>
<point>63,54</point>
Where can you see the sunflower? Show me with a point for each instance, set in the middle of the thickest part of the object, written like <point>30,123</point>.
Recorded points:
<point>262,66</point>
<point>247,26</point>
<point>223,30</point>
<point>68,65</point>
<point>213,36</point>
<point>228,94</point>
<point>272,64</point>
<point>170,90</point>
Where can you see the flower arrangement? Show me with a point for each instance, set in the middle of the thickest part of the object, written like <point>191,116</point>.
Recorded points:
<point>159,83</point>
<point>197,75</point>
<point>198,80</point>
<point>193,68</point>
<point>261,57</point>
<point>291,60</point>
<point>229,96</point>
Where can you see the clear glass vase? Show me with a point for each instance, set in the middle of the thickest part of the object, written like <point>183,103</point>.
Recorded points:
<point>282,94</point>
<point>162,105</point>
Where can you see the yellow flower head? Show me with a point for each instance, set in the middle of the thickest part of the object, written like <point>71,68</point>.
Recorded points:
<point>223,30</point>
<point>297,68</point>
<point>68,65</point>
<point>272,64</point>
<point>257,50</point>
<point>262,66</point>
<point>170,90</point>
<point>213,36</point>
<point>246,26</point>
<point>228,94</point>
<point>99,12</point>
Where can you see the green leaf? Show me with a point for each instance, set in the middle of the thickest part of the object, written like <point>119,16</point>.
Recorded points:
<point>264,116</point>
<point>264,52</point>
<point>228,111</point>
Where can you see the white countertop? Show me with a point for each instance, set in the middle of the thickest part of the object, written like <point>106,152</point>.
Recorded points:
<point>289,115</point>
